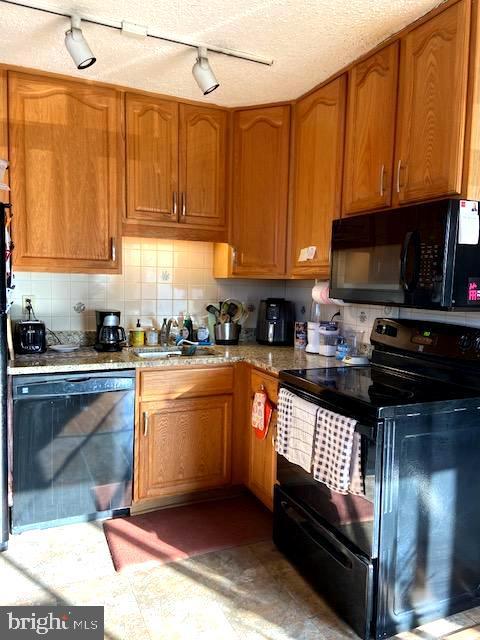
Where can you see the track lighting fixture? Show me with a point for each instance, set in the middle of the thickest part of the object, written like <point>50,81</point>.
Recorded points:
<point>203,74</point>
<point>77,46</point>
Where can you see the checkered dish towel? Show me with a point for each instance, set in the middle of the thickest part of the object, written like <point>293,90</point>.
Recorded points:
<point>296,423</point>
<point>337,456</point>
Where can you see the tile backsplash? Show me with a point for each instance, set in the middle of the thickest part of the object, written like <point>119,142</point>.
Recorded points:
<point>161,278</point>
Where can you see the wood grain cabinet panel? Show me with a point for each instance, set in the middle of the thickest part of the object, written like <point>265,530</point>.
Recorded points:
<point>260,190</point>
<point>370,134</point>
<point>152,159</point>
<point>262,463</point>
<point>203,134</point>
<point>4,195</point>
<point>183,446</point>
<point>432,106</point>
<point>319,139</point>
<point>66,153</point>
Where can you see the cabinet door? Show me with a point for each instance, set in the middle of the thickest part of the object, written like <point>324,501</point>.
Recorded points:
<point>262,467</point>
<point>4,195</point>
<point>183,446</point>
<point>66,154</point>
<point>152,159</point>
<point>202,165</point>
<point>371,109</point>
<point>431,113</point>
<point>260,190</point>
<point>319,138</point>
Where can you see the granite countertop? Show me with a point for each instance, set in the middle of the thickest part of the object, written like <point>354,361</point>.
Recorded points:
<point>272,359</point>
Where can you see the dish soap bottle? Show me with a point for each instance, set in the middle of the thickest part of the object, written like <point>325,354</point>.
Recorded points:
<point>187,332</point>
<point>137,336</point>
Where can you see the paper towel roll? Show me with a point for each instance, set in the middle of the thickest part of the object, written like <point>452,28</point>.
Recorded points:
<point>320,293</point>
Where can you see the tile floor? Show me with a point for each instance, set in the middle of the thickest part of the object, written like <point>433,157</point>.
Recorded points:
<point>246,593</point>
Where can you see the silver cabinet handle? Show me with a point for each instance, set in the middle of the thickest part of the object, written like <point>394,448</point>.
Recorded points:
<point>113,249</point>
<point>234,256</point>
<point>382,176</point>
<point>145,423</point>
<point>184,204</point>
<point>399,168</point>
<point>174,204</point>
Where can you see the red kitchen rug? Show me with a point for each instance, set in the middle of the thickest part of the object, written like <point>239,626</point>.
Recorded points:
<point>177,533</point>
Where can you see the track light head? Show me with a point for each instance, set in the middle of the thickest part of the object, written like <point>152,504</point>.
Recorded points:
<point>77,46</point>
<point>203,74</point>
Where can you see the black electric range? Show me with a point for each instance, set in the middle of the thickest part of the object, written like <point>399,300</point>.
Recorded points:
<point>407,551</point>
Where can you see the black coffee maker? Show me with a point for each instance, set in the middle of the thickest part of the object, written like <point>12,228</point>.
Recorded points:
<point>110,335</point>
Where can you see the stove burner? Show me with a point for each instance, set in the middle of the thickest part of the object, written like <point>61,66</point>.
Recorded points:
<point>380,392</point>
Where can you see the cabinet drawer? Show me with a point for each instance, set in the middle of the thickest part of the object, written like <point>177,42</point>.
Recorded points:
<point>184,383</point>
<point>269,382</point>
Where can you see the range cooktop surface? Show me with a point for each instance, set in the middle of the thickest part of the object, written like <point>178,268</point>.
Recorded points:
<point>374,386</point>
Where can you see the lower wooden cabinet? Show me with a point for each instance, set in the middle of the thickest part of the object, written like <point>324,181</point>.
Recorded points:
<point>183,446</point>
<point>262,467</point>
<point>183,431</point>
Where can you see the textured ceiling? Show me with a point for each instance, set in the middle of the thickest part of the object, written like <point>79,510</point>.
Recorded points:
<point>308,40</point>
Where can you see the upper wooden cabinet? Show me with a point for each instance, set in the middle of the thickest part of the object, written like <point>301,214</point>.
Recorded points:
<point>152,159</point>
<point>432,106</point>
<point>319,139</point>
<point>370,135</point>
<point>259,195</point>
<point>202,165</point>
<point>66,155</point>
<point>176,167</point>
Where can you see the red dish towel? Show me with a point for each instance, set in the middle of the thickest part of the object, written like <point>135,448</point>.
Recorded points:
<point>262,410</point>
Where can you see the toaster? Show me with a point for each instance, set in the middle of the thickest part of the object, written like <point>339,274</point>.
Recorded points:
<point>275,322</point>
<point>29,337</point>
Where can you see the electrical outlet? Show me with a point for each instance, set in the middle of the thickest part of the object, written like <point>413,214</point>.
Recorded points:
<point>25,303</point>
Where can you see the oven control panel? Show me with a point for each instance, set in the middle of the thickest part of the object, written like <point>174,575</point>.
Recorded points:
<point>432,338</point>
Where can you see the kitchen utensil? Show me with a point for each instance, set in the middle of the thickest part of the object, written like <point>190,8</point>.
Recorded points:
<point>233,308</point>
<point>213,310</point>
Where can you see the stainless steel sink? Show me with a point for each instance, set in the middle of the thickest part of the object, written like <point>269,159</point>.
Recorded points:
<point>173,352</point>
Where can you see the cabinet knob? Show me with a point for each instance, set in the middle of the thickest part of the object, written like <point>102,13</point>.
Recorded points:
<point>113,249</point>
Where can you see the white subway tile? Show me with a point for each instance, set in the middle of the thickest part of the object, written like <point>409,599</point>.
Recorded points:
<point>149,291</point>
<point>164,291</point>
<point>164,308</point>
<point>165,259</point>
<point>149,258</point>
<point>179,306</point>
<point>131,258</point>
<point>61,307</point>
<point>60,323</point>
<point>180,293</point>
<point>132,307</point>
<point>148,274</point>
<point>180,276</point>
<point>132,274</point>
<point>148,307</point>
<point>164,274</point>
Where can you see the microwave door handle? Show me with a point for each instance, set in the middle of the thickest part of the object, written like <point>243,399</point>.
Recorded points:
<point>411,239</point>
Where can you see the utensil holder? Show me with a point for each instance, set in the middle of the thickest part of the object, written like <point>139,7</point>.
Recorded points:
<point>227,333</point>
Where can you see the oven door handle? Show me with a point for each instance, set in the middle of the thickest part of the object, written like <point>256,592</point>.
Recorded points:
<point>330,545</point>
<point>412,239</point>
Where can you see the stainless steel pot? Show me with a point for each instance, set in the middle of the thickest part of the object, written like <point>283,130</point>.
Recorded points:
<point>227,333</point>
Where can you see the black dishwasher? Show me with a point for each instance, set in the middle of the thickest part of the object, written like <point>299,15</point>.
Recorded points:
<point>72,447</point>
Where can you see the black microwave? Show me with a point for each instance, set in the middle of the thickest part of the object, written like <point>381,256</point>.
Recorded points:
<point>425,256</point>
